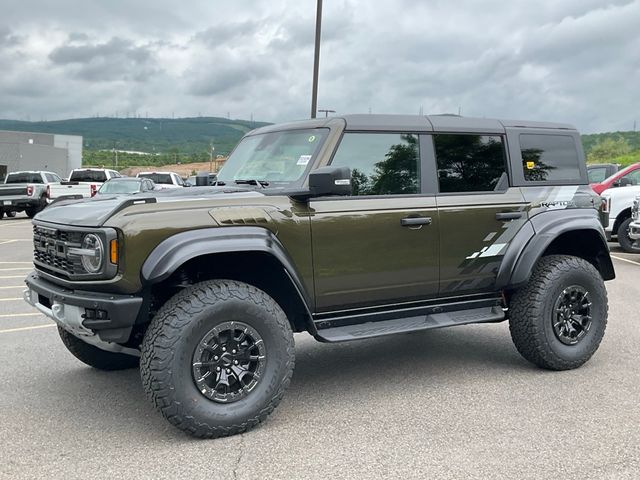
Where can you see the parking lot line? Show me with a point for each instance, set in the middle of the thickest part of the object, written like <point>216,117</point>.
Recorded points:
<point>11,315</point>
<point>14,268</point>
<point>9,288</point>
<point>22,329</point>
<point>7,263</point>
<point>10,299</point>
<point>11,276</point>
<point>13,240</point>
<point>625,260</point>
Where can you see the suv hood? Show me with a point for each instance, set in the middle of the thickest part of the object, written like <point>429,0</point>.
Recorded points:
<point>96,211</point>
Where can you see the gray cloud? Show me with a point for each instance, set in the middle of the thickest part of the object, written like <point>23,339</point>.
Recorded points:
<point>116,59</point>
<point>575,61</point>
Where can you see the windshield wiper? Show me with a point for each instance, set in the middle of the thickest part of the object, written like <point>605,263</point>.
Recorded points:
<point>252,181</point>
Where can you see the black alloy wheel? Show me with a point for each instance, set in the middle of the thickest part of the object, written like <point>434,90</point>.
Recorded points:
<point>228,362</point>
<point>572,315</point>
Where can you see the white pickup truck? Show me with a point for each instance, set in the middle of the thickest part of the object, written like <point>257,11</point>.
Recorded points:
<point>619,204</point>
<point>83,182</point>
<point>634,227</point>
<point>164,179</point>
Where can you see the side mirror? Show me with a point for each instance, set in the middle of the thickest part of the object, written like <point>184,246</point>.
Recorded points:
<point>324,182</point>
<point>330,180</point>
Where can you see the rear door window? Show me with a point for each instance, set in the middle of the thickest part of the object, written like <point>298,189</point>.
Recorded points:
<point>470,163</point>
<point>549,158</point>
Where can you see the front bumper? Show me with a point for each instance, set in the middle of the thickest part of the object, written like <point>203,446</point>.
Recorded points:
<point>78,311</point>
<point>634,230</point>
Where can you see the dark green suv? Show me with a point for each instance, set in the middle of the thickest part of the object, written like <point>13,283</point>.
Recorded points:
<point>346,228</point>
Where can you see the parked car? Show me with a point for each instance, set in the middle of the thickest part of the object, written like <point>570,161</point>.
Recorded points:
<point>599,172</point>
<point>618,204</point>
<point>634,226</point>
<point>625,177</point>
<point>211,178</point>
<point>164,179</point>
<point>126,186</point>
<point>367,226</point>
<point>26,191</point>
<point>83,182</point>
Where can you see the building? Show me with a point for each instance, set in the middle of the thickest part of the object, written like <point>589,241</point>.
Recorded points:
<point>39,151</point>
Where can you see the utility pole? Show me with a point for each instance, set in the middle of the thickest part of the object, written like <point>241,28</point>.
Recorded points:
<point>211,157</point>
<point>316,61</point>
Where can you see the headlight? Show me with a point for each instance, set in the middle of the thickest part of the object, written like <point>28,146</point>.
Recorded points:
<point>92,255</point>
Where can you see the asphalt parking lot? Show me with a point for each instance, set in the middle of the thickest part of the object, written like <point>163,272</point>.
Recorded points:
<point>452,403</point>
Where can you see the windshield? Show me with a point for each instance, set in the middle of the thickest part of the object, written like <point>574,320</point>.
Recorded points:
<point>161,178</point>
<point>127,186</point>
<point>24,177</point>
<point>277,157</point>
<point>88,176</point>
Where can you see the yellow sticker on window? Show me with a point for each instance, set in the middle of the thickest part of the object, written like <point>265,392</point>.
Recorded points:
<point>531,165</point>
<point>312,138</point>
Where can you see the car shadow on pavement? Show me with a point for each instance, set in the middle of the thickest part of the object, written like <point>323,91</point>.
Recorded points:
<point>114,401</point>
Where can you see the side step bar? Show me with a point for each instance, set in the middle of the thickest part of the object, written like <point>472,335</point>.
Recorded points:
<point>411,324</point>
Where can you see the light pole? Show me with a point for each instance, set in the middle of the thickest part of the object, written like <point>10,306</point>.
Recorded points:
<point>316,61</point>
<point>211,158</point>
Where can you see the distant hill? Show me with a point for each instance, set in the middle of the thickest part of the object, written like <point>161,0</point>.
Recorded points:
<point>154,135</point>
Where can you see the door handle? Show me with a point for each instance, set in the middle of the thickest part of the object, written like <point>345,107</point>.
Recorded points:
<point>508,215</point>
<point>415,221</point>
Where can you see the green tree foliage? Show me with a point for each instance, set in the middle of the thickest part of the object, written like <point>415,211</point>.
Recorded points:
<point>607,149</point>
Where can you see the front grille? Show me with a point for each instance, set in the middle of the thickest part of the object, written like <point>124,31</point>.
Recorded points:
<point>50,251</point>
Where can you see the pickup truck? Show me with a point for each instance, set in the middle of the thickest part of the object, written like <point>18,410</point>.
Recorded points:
<point>618,203</point>
<point>26,191</point>
<point>164,179</point>
<point>83,182</point>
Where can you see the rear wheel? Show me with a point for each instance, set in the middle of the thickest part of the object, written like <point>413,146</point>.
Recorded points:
<point>627,244</point>
<point>558,319</point>
<point>11,214</point>
<point>94,356</point>
<point>217,358</point>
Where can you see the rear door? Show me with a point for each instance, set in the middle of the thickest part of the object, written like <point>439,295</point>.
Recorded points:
<point>380,245</point>
<point>479,213</point>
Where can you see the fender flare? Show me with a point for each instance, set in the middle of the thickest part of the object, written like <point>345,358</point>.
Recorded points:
<point>178,249</point>
<point>535,237</point>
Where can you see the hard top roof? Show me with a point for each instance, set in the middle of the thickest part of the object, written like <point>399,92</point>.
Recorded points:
<point>415,123</point>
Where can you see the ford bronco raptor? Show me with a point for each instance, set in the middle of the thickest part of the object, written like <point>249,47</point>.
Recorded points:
<point>347,228</point>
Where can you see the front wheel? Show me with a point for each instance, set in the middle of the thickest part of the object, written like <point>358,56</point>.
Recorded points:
<point>217,358</point>
<point>558,319</point>
<point>626,242</point>
<point>11,214</point>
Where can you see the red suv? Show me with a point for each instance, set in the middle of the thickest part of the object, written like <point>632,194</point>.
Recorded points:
<point>627,176</point>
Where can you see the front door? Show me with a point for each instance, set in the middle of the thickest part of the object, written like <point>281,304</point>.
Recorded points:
<point>379,246</point>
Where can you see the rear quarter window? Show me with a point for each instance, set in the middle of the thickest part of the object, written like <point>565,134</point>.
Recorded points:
<point>549,158</point>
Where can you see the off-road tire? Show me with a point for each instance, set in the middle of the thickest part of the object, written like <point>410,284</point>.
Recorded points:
<point>531,313</point>
<point>10,214</point>
<point>623,237</point>
<point>32,211</point>
<point>96,357</point>
<point>170,342</point>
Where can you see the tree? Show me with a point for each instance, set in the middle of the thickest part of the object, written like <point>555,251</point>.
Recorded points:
<point>607,149</point>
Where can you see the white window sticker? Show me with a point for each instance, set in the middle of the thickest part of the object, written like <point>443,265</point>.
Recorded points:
<point>303,160</point>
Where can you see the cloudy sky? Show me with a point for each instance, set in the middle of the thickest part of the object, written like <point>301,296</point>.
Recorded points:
<point>575,61</point>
